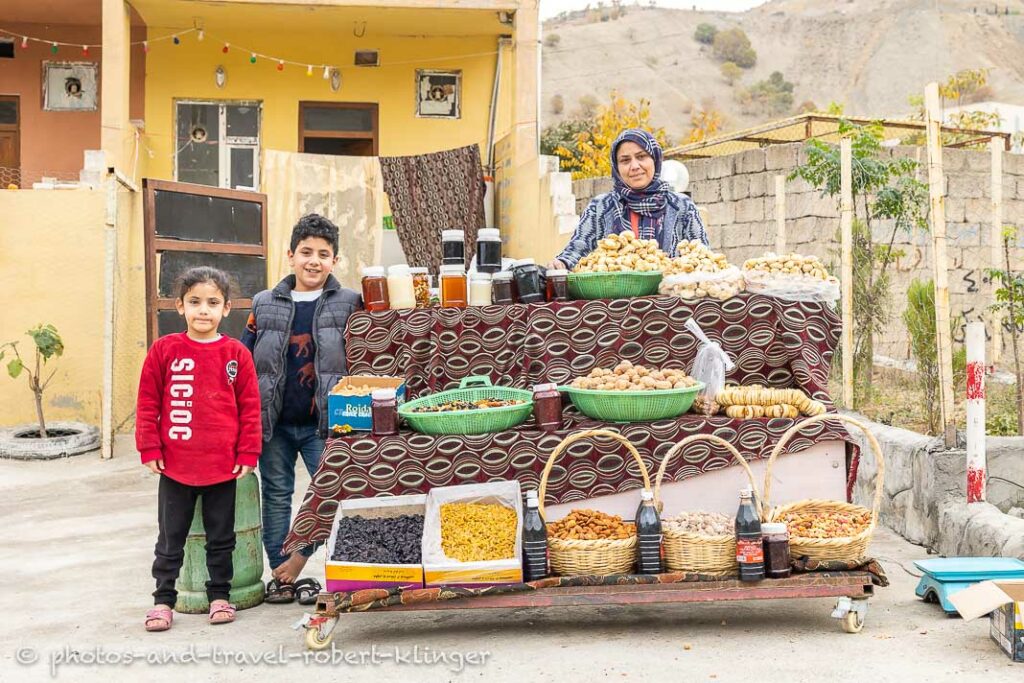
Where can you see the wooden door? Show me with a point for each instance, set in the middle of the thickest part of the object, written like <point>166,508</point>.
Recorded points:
<point>10,153</point>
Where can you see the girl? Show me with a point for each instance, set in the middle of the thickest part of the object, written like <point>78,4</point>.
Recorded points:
<point>198,427</point>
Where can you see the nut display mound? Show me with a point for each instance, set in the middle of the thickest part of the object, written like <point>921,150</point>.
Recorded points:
<point>623,252</point>
<point>591,525</point>
<point>633,393</point>
<point>628,377</point>
<point>827,523</point>
<point>794,277</point>
<point>700,524</point>
<point>699,273</point>
<point>754,401</point>
<point>478,532</point>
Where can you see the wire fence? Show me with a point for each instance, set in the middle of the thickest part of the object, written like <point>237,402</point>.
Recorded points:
<point>24,178</point>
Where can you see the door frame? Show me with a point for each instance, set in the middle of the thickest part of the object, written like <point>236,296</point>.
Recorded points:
<point>372,135</point>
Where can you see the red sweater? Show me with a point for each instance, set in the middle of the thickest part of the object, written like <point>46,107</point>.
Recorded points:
<point>198,409</point>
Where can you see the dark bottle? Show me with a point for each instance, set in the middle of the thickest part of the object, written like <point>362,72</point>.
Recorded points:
<point>648,533</point>
<point>501,288</point>
<point>488,251</point>
<point>529,288</point>
<point>776,550</point>
<point>535,540</point>
<point>557,285</point>
<point>749,541</point>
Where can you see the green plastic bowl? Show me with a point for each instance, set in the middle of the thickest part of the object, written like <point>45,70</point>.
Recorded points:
<point>622,285</point>
<point>632,406</point>
<point>482,421</point>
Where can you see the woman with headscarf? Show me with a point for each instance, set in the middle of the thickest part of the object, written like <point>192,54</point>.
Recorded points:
<point>640,202</point>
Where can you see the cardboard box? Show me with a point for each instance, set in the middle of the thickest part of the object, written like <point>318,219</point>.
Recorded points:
<point>1003,601</point>
<point>354,411</point>
<point>442,571</point>
<point>353,576</point>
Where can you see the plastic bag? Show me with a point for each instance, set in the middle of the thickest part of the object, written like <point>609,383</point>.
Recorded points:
<point>505,493</point>
<point>710,366</point>
<point>721,285</point>
<point>792,287</point>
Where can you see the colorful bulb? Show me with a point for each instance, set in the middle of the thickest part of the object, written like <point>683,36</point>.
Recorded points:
<point>309,70</point>
<point>53,48</point>
<point>145,46</point>
<point>327,72</point>
<point>85,50</point>
<point>252,58</point>
<point>225,48</point>
<point>24,42</point>
<point>202,34</point>
<point>280,65</point>
<point>177,40</point>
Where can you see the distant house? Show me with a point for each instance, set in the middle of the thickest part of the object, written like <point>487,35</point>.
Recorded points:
<point>1011,118</point>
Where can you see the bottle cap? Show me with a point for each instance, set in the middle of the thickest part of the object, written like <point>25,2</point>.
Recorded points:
<point>532,493</point>
<point>373,271</point>
<point>774,528</point>
<point>488,235</point>
<point>746,493</point>
<point>399,269</point>
<point>503,275</point>
<point>453,235</point>
<point>547,386</point>
<point>647,494</point>
<point>523,262</point>
<point>383,394</point>
<point>553,274</point>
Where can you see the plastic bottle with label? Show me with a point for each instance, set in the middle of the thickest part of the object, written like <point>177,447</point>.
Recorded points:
<point>749,540</point>
<point>648,533</point>
<point>535,540</point>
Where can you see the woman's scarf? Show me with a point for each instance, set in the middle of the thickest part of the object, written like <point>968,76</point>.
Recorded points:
<point>649,203</point>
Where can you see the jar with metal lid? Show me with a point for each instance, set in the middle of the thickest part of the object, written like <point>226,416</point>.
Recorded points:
<point>776,550</point>
<point>375,289</point>
<point>400,287</point>
<point>557,285</point>
<point>480,289</point>
<point>453,248</point>
<point>488,250</point>
<point>547,407</point>
<point>501,288</point>
<point>527,279</point>
<point>421,286</point>
<point>384,412</point>
<point>453,286</point>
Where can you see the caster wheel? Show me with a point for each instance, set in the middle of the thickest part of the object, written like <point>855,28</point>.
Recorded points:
<point>320,637</point>
<point>853,622</point>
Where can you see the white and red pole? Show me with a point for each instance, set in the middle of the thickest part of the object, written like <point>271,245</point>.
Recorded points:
<point>975,340</point>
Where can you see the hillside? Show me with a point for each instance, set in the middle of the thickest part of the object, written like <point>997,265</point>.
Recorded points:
<point>869,55</point>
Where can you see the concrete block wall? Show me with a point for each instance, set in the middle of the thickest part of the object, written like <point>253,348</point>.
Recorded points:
<point>737,196</point>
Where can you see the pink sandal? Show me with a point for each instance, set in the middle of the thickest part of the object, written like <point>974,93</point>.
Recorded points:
<point>223,613</point>
<point>159,619</point>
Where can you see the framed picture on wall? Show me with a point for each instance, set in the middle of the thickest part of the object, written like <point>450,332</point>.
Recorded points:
<point>438,94</point>
<point>70,86</point>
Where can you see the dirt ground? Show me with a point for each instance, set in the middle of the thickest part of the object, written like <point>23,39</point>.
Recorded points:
<point>78,538</point>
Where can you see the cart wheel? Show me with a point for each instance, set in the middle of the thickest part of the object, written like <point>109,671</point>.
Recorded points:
<point>853,622</point>
<point>319,637</point>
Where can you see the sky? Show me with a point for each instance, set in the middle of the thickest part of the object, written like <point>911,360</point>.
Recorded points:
<point>549,8</point>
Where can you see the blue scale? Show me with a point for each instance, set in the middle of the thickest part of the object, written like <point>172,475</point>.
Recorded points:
<point>944,576</point>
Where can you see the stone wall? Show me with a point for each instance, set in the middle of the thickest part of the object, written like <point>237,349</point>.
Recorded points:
<point>737,197</point>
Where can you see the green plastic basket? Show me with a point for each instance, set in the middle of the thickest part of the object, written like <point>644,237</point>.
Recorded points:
<point>633,406</point>
<point>482,421</point>
<point>622,285</point>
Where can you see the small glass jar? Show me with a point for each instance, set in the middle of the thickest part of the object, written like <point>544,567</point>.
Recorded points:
<point>488,251</point>
<point>375,289</point>
<point>453,287</point>
<point>558,285</point>
<point>384,412</point>
<point>421,286</point>
<point>527,278</point>
<point>547,407</point>
<point>401,293</point>
<point>776,550</point>
<point>501,288</point>
<point>480,289</point>
<point>453,248</point>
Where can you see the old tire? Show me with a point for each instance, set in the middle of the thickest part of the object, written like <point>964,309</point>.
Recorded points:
<point>74,438</point>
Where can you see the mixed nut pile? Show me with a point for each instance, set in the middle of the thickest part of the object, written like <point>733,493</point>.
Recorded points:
<point>451,406</point>
<point>623,252</point>
<point>628,377</point>
<point>830,524</point>
<point>700,523</point>
<point>591,525</point>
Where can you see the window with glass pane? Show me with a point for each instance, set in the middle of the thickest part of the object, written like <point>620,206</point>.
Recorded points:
<point>242,165</point>
<point>243,122</point>
<point>8,111</point>
<point>337,119</point>
<point>198,138</point>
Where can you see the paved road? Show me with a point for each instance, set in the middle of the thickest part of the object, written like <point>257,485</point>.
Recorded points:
<point>77,538</point>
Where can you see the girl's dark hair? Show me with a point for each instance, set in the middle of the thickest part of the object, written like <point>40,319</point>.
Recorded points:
<point>194,276</point>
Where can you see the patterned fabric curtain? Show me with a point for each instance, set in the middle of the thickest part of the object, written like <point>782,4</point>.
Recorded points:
<point>434,192</point>
<point>347,190</point>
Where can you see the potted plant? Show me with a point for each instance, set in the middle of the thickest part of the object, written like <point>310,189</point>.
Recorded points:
<point>40,441</point>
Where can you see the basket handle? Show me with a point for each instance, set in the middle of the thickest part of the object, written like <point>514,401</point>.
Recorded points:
<point>792,431</point>
<point>573,438</point>
<point>475,381</point>
<point>718,441</point>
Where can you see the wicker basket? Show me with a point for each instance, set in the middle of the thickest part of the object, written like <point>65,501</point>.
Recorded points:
<point>850,548</point>
<point>483,421</point>
<point>621,285</point>
<point>693,552</point>
<point>575,557</point>
<point>632,406</point>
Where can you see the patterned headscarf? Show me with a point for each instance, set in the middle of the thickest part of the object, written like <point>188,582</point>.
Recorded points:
<point>649,202</point>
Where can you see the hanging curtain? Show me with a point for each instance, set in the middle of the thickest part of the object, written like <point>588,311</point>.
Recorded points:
<point>434,192</point>
<point>346,190</point>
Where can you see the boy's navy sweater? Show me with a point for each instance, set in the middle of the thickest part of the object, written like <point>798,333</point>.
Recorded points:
<point>299,407</point>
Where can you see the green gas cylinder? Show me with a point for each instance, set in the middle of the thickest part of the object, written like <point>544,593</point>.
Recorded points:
<point>247,585</point>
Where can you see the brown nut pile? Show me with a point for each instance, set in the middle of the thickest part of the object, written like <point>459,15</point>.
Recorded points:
<point>591,525</point>
<point>788,264</point>
<point>623,252</point>
<point>628,377</point>
<point>476,532</point>
<point>701,524</point>
<point>694,257</point>
<point>781,402</point>
<point>833,524</point>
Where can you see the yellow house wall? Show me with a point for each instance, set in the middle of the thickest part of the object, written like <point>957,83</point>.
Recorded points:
<point>187,71</point>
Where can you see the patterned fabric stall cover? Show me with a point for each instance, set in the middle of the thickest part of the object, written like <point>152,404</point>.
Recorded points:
<point>434,192</point>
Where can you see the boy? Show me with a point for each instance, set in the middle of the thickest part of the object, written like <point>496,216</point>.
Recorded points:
<point>296,333</point>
